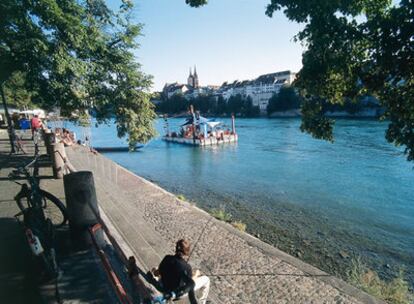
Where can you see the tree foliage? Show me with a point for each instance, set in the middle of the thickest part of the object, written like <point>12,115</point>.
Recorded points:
<point>77,55</point>
<point>354,48</point>
<point>196,3</point>
<point>17,91</point>
<point>285,99</point>
<point>209,105</point>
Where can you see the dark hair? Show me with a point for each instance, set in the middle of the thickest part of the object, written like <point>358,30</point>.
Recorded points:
<point>182,247</point>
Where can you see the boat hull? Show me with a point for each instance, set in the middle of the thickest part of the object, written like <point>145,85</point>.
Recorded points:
<point>227,139</point>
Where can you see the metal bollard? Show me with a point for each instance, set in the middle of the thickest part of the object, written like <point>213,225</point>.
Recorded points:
<point>58,160</point>
<point>49,141</point>
<point>82,207</point>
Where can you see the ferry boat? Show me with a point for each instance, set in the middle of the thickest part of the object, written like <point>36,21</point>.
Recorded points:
<point>200,131</point>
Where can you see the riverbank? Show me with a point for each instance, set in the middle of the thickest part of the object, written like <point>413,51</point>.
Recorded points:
<point>366,113</point>
<point>243,269</point>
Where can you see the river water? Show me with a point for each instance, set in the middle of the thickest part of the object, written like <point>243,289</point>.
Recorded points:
<point>325,203</point>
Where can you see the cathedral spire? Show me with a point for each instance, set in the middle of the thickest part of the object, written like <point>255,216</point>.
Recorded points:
<point>190,72</point>
<point>195,77</point>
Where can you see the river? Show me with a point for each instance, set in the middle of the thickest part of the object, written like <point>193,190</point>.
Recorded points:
<point>326,203</point>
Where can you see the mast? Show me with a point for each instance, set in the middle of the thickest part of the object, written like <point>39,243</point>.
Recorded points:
<point>193,122</point>
<point>233,124</point>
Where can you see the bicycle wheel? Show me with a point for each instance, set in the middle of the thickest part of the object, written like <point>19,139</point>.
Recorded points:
<point>53,208</point>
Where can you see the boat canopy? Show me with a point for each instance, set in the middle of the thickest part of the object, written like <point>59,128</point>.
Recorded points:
<point>213,124</point>
<point>202,121</point>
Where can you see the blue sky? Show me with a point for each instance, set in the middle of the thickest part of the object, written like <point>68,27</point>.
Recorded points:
<point>227,40</point>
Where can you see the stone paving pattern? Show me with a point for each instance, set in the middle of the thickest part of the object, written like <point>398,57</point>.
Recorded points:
<point>242,268</point>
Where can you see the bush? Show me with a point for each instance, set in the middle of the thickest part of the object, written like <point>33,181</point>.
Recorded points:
<point>239,225</point>
<point>221,214</point>
<point>395,291</point>
<point>181,197</point>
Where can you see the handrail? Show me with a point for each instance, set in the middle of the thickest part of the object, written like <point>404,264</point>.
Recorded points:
<point>113,278</point>
<point>129,262</point>
<point>66,162</point>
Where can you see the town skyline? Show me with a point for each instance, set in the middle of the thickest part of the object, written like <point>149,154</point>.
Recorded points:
<point>230,40</point>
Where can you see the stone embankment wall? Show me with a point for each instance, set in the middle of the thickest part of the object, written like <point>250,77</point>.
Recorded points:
<point>242,268</point>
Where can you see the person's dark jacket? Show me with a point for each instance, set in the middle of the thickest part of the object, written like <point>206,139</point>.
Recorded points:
<point>176,276</point>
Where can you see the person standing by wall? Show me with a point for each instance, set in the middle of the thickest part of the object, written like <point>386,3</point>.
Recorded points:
<point>35,124</point>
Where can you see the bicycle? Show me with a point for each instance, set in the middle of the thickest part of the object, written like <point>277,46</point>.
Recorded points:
<point>42,213</point>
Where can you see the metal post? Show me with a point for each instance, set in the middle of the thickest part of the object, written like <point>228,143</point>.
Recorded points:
<point>9,121</point>
<point>50,139</point>
<point>193,122</point>
<point>233,124</point>
<point>58,160</point>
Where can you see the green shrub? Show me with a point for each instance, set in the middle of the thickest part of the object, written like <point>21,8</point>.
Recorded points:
<point>181,197</point>
<point>221,214</point>
<point>239,225</point>
<point>395,291</point>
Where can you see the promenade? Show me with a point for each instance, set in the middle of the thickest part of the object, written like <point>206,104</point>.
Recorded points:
<point>242,268</point>
<point>82,278</point>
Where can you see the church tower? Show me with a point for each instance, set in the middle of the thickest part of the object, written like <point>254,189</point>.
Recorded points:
<point>195,78</point>
<point>190,79</point>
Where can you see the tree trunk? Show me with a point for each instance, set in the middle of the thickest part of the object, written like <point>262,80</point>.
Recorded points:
<point>9,121</point>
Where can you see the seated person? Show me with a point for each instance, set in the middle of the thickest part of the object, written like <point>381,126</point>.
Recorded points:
<point>177,277</point>
<point>66,138</point>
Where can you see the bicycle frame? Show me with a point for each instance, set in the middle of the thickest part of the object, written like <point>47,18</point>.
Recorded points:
<point>35,198</point>
<point>39,230</point>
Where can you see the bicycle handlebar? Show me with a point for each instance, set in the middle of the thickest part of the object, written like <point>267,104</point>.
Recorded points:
<point>23,170</point>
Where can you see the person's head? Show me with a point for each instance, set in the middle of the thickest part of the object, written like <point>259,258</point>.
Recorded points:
<point>36,116</point>
<point>182,248</point>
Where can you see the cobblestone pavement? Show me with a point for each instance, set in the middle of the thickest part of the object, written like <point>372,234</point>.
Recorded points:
<point>242,268</point>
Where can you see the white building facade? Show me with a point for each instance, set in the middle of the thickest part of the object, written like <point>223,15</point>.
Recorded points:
<point>260,90</point>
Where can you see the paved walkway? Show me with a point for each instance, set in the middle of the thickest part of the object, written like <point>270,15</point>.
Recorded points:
<point>83,279</point>
<point>242,268</point>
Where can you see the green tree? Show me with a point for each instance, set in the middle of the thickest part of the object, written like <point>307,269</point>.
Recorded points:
<point>354,48</point>
<point>17,91</point>
<point>285,99</point>
<point>77,55</point>
<point>249,110</point>
<point>235,105</point>
<point>174,105</point>
<point>221,107</point>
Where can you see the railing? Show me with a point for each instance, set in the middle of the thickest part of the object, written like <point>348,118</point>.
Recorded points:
<point>102,166</point>
<point>113,278</point>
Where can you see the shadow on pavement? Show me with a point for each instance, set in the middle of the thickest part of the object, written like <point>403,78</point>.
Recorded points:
<point>18,273</point>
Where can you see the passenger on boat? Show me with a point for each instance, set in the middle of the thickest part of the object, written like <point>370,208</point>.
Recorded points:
<point>177,278</point>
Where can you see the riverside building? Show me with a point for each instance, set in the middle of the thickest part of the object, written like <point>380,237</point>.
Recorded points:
<point>260,89</point>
